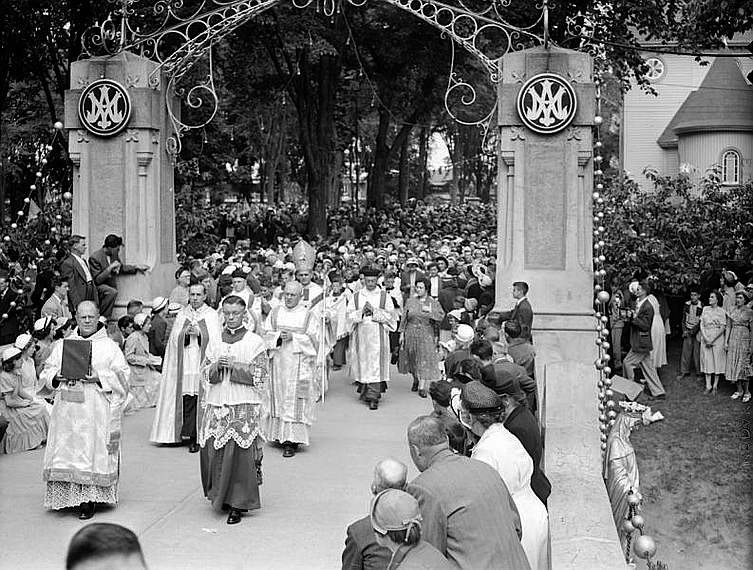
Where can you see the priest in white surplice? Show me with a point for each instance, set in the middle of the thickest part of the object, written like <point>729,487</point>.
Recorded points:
<point>177,409</point>
<point>292,335</point>
<point>236,402</point>
<point>372,315</point>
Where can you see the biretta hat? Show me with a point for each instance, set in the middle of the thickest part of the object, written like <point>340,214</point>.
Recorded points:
<point>393,509</point>
<point>479,398</point>
<point>370,271</point>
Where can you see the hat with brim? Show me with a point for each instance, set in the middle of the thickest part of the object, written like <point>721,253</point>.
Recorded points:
<point>11,353</point>
<point>158,304</point>
<point>140,319</point>
<point>464,333</point>
<point>23,341</point>
<point>392,510</point>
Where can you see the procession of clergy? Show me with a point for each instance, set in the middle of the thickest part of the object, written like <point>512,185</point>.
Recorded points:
<point>231,378</point>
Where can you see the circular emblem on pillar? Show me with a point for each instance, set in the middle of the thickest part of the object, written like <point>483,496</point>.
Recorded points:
<point>104,107</point>
<point>547,103</point>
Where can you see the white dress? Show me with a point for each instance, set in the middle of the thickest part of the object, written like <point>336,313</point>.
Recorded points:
<point>504,452</point>
<point>658,335</point>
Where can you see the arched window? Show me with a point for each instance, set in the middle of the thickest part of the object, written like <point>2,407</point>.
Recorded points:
<point>731,167</point>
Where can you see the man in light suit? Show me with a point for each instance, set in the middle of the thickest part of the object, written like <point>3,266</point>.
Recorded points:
<point>75,270</point>
<point>468,514</point>
<point>105,265</point>
<point>522,313</point>
<point>56,306</point>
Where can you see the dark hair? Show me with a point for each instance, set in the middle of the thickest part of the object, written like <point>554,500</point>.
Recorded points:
<point>512,329</point>
<point>718,295</point>
<point>75,239</point>
<point>134,303</point>
<point>470,368</point>
<point>39,335</point>
<point>58,280</point>
<point>181,270</point>
<point>100,540</point>
<point>10,364</point>
<point>440,392</point>
<point>125,321</point>
<point>234,300</point>
<point>425,281</point>
<point>522,285</point>
<point>482,349</point>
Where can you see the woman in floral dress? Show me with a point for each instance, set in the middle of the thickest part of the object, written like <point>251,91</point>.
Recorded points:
<point>418,336</point>
<point>713,327</point>
<point>738,345</point>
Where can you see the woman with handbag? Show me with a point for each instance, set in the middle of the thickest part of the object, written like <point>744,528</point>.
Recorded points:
<point>418,337</point>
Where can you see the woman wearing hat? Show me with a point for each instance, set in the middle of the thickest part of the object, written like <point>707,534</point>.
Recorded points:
<point>729,285</point>
<point>421,316</point>
<point>144,378</point>
<point>503,451</point>
<point>44,329</point>
<point>28,418</point>
<point>396,520</point>
<point>738,339</point>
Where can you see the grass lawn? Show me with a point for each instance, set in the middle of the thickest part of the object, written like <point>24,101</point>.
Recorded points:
<point>696,475</point>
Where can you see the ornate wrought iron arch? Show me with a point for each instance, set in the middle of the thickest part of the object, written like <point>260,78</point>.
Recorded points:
<point>177,37</point>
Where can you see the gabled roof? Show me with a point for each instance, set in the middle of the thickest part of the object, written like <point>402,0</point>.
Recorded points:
<point>723,102</point>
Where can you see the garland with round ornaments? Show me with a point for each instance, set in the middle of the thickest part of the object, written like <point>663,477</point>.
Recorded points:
<point>643,546</point>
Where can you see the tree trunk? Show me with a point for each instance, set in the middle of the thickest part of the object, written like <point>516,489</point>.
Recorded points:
<point>403,181</point>
<point>423,164</point>
<point>378,174</point>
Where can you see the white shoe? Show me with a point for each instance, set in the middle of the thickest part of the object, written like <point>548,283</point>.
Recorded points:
<point>736,395</point>
<point>746,398</point>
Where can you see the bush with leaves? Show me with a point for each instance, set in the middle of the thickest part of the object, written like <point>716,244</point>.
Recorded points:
<point>682,233</point>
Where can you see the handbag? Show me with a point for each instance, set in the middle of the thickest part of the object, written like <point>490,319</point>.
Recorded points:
<point>402,360</point>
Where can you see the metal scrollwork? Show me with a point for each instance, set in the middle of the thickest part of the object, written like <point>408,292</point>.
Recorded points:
<point>179,36</point>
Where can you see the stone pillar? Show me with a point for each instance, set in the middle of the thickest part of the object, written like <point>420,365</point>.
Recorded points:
<point>122,173</point>
<point>544,238</point>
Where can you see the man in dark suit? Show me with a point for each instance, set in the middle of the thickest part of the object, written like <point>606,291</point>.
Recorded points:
<point>522,313</point>
<point>10,303</point>
<point>362,552</point>
<point>500,374</point>
<point>76,272</point>
<point>105,265</point>
<point>640,342</point>
<point>468,514</point>
<point>521,422</point>
<point>520,351</point>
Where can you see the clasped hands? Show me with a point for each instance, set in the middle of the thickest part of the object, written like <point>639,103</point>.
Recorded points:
<point>226,361</point>
<point>367,310</point>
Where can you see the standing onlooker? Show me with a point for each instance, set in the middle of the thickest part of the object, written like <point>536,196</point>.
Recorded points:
<point>468,513</point>
<point>617,325</point>
<point>75,270</point>
<point>419,340</point>
<point>641,319</point>
<point>713,325</point>
<point>56,305</point>
<point>691,325</point>
<point>729,286</point>
<point>522,312</point>
<point>738,345</point>
<point>179,294</point>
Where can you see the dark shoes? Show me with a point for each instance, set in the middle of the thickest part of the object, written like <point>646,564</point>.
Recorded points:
<point>422,393</point>
<point>86,511</point>
<point>289,449</point>
<point>193,447</point>
<point>234,517</point>
<point>414,388</point>
<point>374,405</point>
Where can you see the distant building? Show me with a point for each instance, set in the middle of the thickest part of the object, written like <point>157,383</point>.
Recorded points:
<point>701,117</point>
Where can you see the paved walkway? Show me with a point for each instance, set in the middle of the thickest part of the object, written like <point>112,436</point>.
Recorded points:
<point>307,501</point>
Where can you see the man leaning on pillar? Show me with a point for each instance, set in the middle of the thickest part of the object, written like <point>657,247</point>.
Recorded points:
<point>105,265</point>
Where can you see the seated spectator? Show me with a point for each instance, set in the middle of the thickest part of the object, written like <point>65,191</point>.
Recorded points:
<point>180,293</point>
<point>362,552</point>
<point>441,399</point>
<point>396,520</point>
<point>500,374</point>
<point>158,331</point>
<point>463,336</point>
<point>144,378</point>
<point>522,352</point>
<point>134,307</point>
<point>125,325</point>
<point>104,546</point>
<point>501,450</point>
<point>468,514</point>
<point>28,419</point>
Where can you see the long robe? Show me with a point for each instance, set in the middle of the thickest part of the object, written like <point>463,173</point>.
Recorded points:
<point>295,384</point>
<point>369,351</point>
<point>181,371</point>
<point>503,451</point>
<point>237,403</point>
<point>82,458</point>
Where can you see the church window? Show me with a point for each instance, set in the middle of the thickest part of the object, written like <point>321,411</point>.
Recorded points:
<point>731,167</point>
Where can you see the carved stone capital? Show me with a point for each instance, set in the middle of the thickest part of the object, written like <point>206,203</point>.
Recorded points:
<point>584,157</point>
<point>143,158</point>
<point>508,157</point>
<point>75,158</point>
